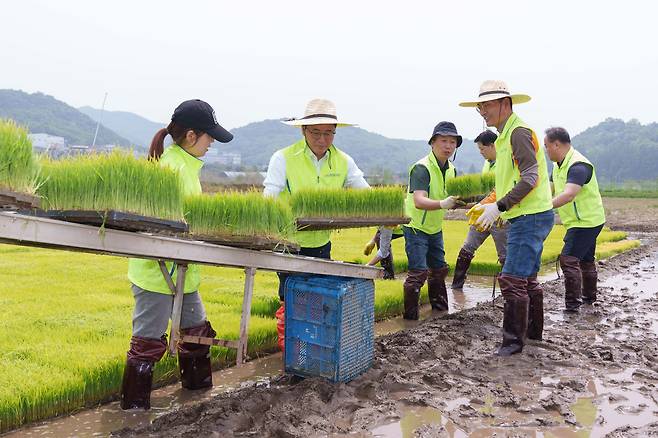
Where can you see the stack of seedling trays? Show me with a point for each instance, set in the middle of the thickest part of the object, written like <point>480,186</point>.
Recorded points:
<point>114,190</point>
<point>325,209</point>
<point>471,188</point>
<point>243,220</point>
<point>19,169</point>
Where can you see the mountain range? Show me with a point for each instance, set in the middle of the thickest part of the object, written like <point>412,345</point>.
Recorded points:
<point>620,150</point>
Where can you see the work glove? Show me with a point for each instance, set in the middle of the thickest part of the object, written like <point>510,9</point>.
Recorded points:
<point>369,247</point>
<point>488,216</point>
<point>450,202</point>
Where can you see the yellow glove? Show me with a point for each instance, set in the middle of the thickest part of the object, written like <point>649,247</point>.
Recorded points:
<point>369,247</point>
<point>473,214</point>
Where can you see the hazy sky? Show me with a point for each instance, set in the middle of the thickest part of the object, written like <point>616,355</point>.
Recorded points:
<point>393,67</point>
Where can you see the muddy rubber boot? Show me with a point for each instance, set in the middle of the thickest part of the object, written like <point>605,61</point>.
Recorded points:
<point>411,298</point>
<point>590,279</point>
<point>515,313</point>
<point>387,264</point>
<point>572,283</point>
<point>138,373</point>
<point>436,288</point>
<point>535,309</point>
<point>136,385</point>
<point>194,359</point>
<point>461,268</point>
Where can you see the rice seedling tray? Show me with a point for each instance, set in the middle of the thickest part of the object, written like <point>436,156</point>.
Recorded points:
<point>314,224</point>
<point>17,201</point>
<point>247,242</point>
<point>115,220</point>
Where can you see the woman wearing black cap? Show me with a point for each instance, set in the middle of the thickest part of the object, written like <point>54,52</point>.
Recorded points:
<point>193,128</point>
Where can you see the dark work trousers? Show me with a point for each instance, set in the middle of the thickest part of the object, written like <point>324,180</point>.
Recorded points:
<point>321,252</point>
<point>581,243</point>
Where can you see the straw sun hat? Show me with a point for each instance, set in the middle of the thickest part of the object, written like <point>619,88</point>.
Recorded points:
<point>492,90</point>
<point>319,112</point>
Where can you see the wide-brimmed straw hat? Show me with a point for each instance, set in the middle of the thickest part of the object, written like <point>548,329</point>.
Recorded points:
<point>492,90</point>
<point>318,112</point>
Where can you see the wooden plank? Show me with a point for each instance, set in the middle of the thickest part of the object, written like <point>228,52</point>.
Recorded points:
<point>249,274</point>
<point>313,224</point>
<point>17,201</point>
<point>175,335</point>
<point>115,220</point>
<point>210,341</point>
<point>247,242</point>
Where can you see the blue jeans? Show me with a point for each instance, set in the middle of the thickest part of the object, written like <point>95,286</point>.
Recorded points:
<point>525,242</point>
<point>423,250</point>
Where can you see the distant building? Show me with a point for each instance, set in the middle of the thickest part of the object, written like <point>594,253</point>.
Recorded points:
<point>229,159</point>
<point>47,144</point>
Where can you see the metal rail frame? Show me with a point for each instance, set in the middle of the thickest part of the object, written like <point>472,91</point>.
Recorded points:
<point>17,229</point>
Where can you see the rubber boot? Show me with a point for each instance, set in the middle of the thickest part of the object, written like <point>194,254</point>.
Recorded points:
<point>461,268</point>
<point>535,309</point>
<point>413,283</point>
<point>194,359</point>
<point>436,288</point>
<point>590,279</point>
<point>572,283</point>
<point>138,373</point>
<point>515,316</point>
<point>387,264</point>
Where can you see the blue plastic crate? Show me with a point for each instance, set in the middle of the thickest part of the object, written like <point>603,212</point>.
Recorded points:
<point>329,326</point>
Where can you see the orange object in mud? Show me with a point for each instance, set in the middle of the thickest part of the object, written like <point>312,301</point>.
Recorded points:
<point>281,326</point>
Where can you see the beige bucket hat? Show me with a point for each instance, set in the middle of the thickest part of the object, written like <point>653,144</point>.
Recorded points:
<point>318,112</point>
<point>492,90</point>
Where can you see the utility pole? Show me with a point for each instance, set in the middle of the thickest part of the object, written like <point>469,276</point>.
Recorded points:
<point>100,116</point>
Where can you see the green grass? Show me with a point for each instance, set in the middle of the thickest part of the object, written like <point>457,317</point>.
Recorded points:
<point>18,167</point>
<point>115,181</point>
<point>67,318</point>
<point>234,213</point>
<point>471,185</point>
<point>333,203</point>
<point>629,193</point>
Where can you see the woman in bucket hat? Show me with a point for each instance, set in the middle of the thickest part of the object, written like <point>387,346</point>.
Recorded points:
<point>522,197</point>
<point>311,162</point>
<point>426,202</point>
<point>193,128</point>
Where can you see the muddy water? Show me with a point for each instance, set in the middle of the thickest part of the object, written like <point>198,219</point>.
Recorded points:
<point>594,374</point>
<point>104,419</point>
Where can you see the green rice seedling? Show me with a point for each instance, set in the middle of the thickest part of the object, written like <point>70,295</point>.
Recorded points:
<point>471,185</point>
<point>18,167</point>
<point>380,202</point>
<point>115,181</point>
<point>238,214</point>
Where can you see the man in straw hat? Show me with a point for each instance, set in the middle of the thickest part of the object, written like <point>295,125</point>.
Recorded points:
<point>426,203</point>
<point>312,162</point>
<point>523,198</point>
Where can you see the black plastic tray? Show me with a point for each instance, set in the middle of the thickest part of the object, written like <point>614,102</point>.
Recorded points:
<point>111,219</point>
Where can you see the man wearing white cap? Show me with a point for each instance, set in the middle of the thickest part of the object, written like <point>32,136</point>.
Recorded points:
<point>312,162</point>
<point>523,198</point>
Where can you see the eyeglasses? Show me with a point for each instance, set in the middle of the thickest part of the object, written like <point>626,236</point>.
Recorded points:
<point>485,105</point>
<point>319,134</point>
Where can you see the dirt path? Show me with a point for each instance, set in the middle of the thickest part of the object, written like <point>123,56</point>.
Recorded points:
<point>595,374</point>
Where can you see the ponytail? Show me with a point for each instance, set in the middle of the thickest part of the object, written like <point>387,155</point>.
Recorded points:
<point>176,131</point>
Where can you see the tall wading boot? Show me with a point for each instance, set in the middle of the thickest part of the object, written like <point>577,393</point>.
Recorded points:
<point>194,359</point>
<point>590,279</point>
<point>138,373</point>
<point>535,309</point>
<point>461,268</point>
<point>413,283</point>
<point>515,316</point>
<point>436,288</point>
<point>387,264</point>
<point>572,282</point>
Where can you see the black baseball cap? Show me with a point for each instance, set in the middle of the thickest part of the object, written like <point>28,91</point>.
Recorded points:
<point>447,129</point>
<point>197,114</point>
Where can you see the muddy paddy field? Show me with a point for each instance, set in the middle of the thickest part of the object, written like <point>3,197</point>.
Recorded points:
<point>594,374</point>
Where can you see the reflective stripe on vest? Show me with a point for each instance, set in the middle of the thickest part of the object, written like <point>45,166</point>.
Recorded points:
<point>429,221</point>
<point>586,210</point>
<point>508,174</point>
<point>301,173</point>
